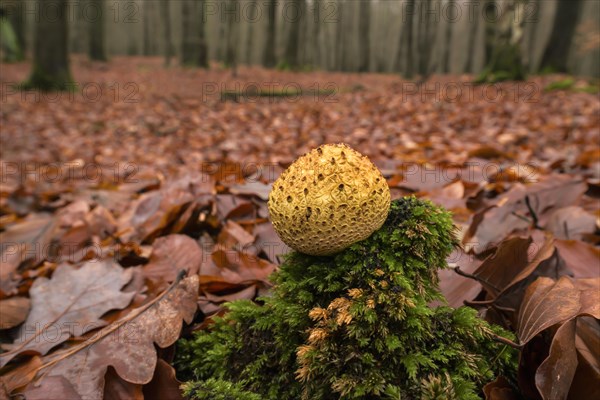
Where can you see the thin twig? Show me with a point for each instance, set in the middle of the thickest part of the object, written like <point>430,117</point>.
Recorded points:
<point>506,341</point>
<point>524,218</point>
<point>465,274</point>
<point>474,277</point>
<point>534,216</point>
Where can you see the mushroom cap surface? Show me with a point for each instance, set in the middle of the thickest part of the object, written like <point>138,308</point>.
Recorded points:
<point>328,199</point>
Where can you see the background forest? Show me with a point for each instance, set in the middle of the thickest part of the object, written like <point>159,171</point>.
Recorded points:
<point>406,36</point>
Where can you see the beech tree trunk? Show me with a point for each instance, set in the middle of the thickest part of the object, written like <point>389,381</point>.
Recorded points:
<point>97,50</point>
<point>506,62</point>
<point>293,15</point>
<point>147,47</point>
<point>166,16</point>
<point>252,15</point>
<point>193,41</point>
<point>364,24</point>
<point>232,36</point>
<point>16,16</point>
<point>269,59</point>
<point>426,41</point>
<point>567,16</point>
<point>404,60</point>
<point>50,61</point>
<point>448,40</point>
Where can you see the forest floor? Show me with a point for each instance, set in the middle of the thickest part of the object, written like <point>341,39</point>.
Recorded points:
<point>149,169</point>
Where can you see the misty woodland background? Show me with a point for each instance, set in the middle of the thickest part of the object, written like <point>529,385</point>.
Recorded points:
<point>181,114</point>
<point>406,36</point>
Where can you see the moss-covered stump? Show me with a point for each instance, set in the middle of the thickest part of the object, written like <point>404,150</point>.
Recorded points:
<point>354,325</point>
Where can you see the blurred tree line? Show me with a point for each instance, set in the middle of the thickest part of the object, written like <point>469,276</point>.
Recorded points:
<point>495,39</point>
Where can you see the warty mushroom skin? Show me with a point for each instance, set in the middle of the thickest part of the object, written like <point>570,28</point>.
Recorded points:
<point>328,199</point>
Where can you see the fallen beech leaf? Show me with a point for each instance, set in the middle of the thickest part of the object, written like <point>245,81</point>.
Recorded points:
<point>493,224</point>
<point>100,222</point>
<point>229,207</point>
<point>210,303</point>
<point>14,311</point>
<point>487,152</point>
<point>252,188</point>
<point>155,210</point>
<point>269,243</point>
<point>554,376</point>
<point>27,240</point>
<point>590,296</point>
<point>170,254</point>
<point>152,212</point>
<point>72,213</point>
<point>450,196</point>
<point>218,284</point>
<point>581,258</point>
<point>21,375</point>
<point>241,266</point>
<point>500,268</point>
<point>127,345</point>
<point>455,288</point>
<point>571,223</point>
<point>548,302</point>
<point>587,342</point>
<point>234,236</point>
<point>499,389</point>
<point>69,305</point>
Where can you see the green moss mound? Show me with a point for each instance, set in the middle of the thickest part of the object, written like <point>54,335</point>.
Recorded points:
<point>356,325</point>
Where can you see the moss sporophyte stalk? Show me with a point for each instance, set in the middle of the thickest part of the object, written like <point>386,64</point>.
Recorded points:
<point>356,324</point>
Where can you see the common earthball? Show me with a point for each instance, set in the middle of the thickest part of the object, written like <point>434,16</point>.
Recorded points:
<point>328,199</point>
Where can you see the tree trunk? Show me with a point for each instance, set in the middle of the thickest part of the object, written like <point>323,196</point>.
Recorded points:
<point>252,15</point>
<point>293,15</point>
<point>167,24</point>
<point>406,65</point>
<point>269,59</point>
<point>97,51</point>
<point>16,16</point>
<point>193,41</point>
<point>427,32</point>
<point>557,51</point>
<point>506,61</point>
<point>340,44</point>
<point>364,24</point>
<point>448,39</point>
<point>8,40</point>
<point>188,47</point>
<point>232,36</point>
<point>147,47</point>
<point>471,45</point>
<point>316,57</point>
<point>202,46</point>
<point>51,61</point>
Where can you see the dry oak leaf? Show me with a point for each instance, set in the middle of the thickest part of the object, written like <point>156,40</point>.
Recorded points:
<point>164,385</point>
<point>127,345</point>
<point>69,305</point>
